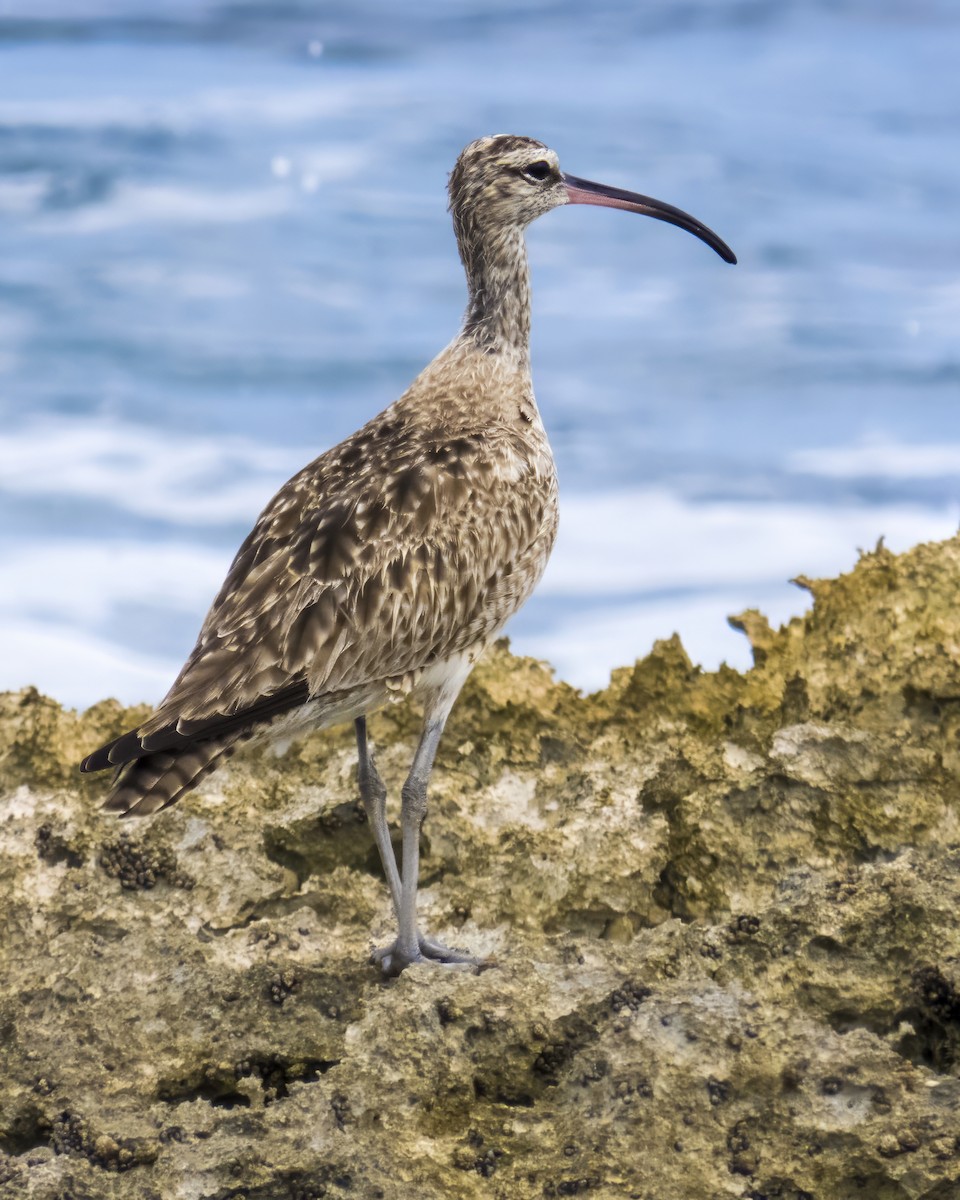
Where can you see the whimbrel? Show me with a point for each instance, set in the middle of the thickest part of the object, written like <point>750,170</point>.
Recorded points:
<point>387,565</point>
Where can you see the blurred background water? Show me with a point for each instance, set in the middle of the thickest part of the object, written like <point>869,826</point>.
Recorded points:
<point>224,245</point>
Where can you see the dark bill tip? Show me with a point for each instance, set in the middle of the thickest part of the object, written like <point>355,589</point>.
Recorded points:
<point>582,191</point>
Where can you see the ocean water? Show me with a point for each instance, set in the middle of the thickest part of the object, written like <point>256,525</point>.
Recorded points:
<point>224,245</point>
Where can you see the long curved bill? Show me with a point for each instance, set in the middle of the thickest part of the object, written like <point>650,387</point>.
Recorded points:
<point>582,191</point>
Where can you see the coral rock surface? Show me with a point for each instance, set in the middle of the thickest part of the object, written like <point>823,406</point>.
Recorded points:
<point>720,912</point>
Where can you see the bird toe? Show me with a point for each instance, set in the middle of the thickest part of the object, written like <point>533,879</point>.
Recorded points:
<point>395,958</point>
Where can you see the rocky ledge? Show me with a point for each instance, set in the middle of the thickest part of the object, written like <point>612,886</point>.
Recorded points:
<point>720,912</point>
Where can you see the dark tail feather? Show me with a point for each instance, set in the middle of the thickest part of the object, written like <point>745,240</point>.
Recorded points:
<point>158,780</point>
<point>121,750</point>
<point>182,733</point>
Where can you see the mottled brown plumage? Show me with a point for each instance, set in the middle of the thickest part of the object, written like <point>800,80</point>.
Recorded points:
<point>388,563</point>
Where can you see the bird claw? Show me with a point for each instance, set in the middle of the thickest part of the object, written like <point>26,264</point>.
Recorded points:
<point>393,958</point>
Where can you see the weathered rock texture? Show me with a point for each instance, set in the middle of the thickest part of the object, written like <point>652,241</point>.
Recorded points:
<point>723,910</point>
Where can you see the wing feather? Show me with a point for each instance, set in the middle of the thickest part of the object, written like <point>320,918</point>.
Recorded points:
<point>381,556</point>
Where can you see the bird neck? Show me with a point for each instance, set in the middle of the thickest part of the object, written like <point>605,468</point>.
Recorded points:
<point>497,319</point>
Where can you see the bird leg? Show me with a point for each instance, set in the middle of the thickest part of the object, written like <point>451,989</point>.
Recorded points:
<point>410,945</point>
<point>374,797</point>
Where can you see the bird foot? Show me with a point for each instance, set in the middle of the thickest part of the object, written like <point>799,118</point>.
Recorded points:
<point>394,958</point>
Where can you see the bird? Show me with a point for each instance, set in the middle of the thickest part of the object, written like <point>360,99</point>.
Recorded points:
<point>384,567</point>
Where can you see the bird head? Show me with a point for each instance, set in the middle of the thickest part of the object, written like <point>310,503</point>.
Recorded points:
<point>505,182</point>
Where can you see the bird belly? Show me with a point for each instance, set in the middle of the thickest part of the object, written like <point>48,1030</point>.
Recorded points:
<point>319,712</point>
<point>442,681</point>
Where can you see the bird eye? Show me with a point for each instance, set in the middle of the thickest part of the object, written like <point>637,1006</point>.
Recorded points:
<point>538,171</point>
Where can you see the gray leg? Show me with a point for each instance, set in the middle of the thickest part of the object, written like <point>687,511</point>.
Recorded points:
<point>413,810</point>
<point>374,797</point>
<point>410,945</point>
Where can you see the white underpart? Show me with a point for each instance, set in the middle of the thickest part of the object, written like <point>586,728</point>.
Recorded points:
<point>437,686</point>
<point>440,683</point>
<point>317,714</point>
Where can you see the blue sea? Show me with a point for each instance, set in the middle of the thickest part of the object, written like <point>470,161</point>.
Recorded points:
<point>224,245</point>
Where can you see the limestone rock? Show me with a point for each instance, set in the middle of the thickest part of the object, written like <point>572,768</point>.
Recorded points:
<point>720,912</point>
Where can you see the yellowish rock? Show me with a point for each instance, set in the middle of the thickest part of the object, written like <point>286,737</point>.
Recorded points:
<point>720,908</point>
